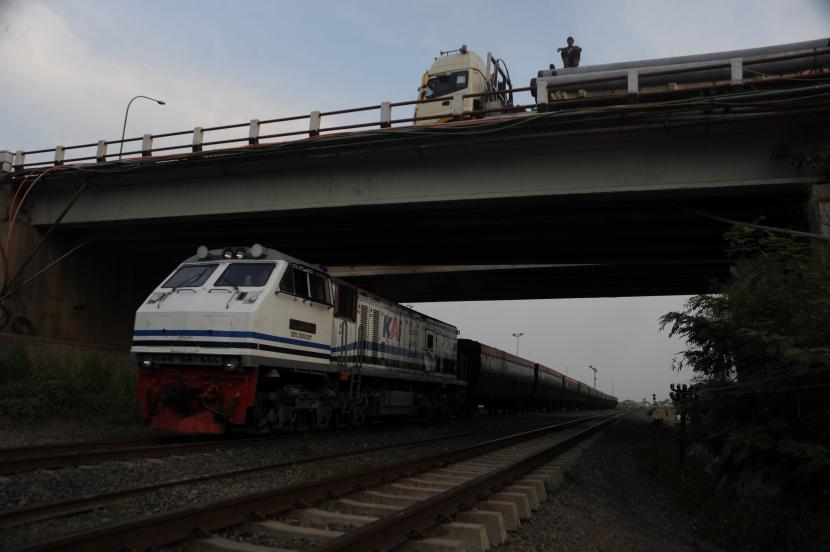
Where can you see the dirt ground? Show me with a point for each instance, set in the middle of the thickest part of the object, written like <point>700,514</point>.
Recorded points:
<point>608,503</point>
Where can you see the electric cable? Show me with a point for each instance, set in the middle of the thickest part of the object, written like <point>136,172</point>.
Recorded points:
<point>31,278</point>
<point>775,229</point>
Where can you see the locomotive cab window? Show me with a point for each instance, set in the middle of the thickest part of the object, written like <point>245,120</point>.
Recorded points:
<point>430,344</point>
<point>245,275</point>
<point>190,276</point>
<point>306,284</point>
<point>345,303</point>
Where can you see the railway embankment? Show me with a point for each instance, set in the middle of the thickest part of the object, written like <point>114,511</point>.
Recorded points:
<point>613,498</point>
<point>45,381</point>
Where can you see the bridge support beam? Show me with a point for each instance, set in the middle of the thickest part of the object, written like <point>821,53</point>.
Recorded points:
<point>90,296</point>
<point>820,210</point>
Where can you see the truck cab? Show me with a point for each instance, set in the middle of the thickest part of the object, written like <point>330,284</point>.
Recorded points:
<point>455,74</point>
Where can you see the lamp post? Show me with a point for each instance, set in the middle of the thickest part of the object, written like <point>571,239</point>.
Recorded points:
<point>517,335</point>
<point>127,113</point>
<point>595,375</point>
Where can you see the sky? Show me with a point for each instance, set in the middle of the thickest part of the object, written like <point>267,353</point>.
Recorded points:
<point>70,66</point>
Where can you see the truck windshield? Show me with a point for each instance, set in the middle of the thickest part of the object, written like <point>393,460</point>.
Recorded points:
<point>442,85</point>
<point>190,276</point>
<point>245,275</point>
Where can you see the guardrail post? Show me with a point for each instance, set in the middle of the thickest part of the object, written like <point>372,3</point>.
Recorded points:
<point>147,145</point>
<point>198,138</point>
<point>457,107</point>
<point>19,160</point>
<point>633,86</point>
<point>737,66</point>
<point>385,114</point>
<point>542,95</point>
<point>101,152</point>
<point>6,161</point>
<point>253,132</point>
<point>59,155</point>
<point>314,123</point>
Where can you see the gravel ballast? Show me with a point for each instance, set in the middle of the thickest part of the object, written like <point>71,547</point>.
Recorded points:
<point>51,485</point>
<point>608,504</point>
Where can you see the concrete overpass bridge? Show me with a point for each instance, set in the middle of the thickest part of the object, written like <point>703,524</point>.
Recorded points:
<point>583,202</point>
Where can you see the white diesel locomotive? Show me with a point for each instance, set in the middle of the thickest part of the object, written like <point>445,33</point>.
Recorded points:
<point>252,337</point>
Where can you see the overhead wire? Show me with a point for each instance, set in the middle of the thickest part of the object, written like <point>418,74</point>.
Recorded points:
<point>797,233</point>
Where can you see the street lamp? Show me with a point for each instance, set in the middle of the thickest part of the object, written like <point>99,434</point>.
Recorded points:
<point>517,335</point>
<point>126,113</point>
<point>595,375</point>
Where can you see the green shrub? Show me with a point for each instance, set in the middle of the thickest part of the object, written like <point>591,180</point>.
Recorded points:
<point>761,353</point>
<point>83,387</point>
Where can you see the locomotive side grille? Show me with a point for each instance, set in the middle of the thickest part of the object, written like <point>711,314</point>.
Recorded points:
<point>375,332</point>
<point>364,320</point>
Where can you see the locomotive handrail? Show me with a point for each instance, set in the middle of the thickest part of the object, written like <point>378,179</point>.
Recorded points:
<point>17,162</point>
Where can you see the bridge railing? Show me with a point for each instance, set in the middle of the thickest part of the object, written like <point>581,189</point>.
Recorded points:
<point>251,133</point>
<point>270,131</point>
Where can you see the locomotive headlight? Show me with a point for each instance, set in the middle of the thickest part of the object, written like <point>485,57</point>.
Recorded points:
<point>240,254</point>
<point>227,254</point>
<point>147,362</point>
<point>231,364</point>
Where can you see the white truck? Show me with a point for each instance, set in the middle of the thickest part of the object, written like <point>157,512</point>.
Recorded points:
<point>456,74</point>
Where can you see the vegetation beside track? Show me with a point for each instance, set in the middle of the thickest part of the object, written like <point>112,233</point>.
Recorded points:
<point>759,421</point>
<point>38,386</point>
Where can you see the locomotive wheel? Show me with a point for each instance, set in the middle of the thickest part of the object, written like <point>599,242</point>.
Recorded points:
<point>358,415</point>
<point>322,416</point>
<point>288,417</point>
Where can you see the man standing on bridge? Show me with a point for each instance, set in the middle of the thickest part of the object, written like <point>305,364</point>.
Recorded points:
<point>570,53</point>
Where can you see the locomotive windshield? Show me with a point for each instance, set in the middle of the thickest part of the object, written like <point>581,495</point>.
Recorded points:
<point>442,85</point>
<point>245,275</point>
<point>190,276</point>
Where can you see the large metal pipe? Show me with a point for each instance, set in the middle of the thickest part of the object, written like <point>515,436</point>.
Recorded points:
<point>695,68</point>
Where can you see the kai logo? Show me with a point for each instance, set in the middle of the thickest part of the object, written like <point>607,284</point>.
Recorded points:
<point>391,328</point>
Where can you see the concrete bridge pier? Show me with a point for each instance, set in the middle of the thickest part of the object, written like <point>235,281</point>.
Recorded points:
<point>820,210</point>
<point>90,296</point>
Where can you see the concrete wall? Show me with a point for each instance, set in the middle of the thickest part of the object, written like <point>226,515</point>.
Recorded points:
<point>89,297</point>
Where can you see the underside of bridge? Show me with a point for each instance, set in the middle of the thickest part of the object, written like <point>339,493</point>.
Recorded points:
<point>477,250</point>
<point>483,250</point>
<point>565,210</point>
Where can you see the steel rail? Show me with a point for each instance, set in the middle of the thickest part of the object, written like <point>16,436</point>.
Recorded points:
<point>13,453</point>
<point>172,527</point>
<point>61,508</point>
<point>393,530</point>
<point>64,457</point>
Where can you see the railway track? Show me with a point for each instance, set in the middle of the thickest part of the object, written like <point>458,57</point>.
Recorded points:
<point>44,457</point>
<point>16,460</point>
<point>82,504</point>
<point>374,509</point>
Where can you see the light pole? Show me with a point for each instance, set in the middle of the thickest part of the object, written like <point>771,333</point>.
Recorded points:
<point>595,375</point>
<point>517,335</point>
<point>126,114</point>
